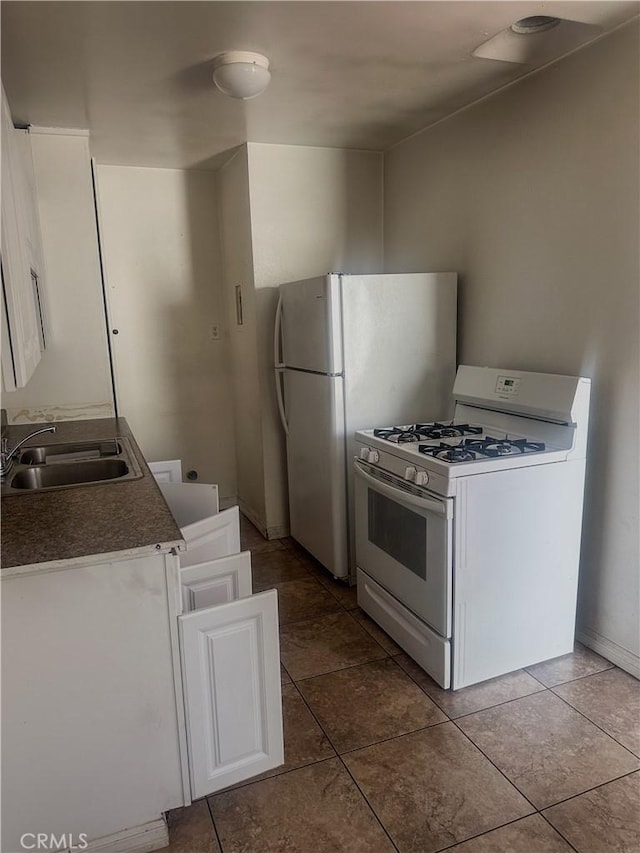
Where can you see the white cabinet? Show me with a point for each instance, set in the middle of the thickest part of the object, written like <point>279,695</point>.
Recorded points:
<point>90,718</point>
<point>23,333</point>
<point>216,581</point>
<point>231,679</point>
<point>229,648</point>
<point>169,471</point>
<point>190,502</point>
<point>212,537</point>
<point>208,533</point>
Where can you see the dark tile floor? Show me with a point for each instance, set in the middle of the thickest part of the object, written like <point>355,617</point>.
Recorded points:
<point>379,758</point>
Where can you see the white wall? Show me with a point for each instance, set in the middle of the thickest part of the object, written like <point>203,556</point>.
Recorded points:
<point>235,233</point>
<point>73,378</point>
<point>160,238</point>
<point>533,195</point>
<point>313,210</point>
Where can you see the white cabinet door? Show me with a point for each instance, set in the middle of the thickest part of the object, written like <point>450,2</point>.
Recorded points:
<point>190,502</point>
<point>169,471</point>
<point>211,538</point>
<point>233,701</point>
<point>216,582</point>
<point>209,534</point>
<point>21,318</point>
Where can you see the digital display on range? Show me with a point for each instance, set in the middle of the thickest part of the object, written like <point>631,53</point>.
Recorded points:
<point>508,385</point>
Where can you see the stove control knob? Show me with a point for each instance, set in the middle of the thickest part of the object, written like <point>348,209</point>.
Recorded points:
<point>364,453</point>
<point>373,456</point>
<point>421,478</point>
<point>409,473</point>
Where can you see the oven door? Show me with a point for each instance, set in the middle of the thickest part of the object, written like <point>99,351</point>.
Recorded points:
<point>404,541</point>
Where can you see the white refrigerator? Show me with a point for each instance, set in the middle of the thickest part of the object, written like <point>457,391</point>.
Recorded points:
<point>355,352</point>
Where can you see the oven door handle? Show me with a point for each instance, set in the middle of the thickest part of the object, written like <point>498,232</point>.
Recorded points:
<point>438,507</point>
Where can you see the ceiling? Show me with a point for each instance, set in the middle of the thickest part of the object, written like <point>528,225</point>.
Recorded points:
<point>344,74</point>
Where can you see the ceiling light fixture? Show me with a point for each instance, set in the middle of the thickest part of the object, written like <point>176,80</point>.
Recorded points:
<point>241,74</point>
<point>534,24</point>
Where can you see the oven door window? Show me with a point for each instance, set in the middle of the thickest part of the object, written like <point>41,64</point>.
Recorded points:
<point>399,532</point>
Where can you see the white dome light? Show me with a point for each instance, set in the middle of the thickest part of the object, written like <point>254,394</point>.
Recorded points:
<point>241,74</point>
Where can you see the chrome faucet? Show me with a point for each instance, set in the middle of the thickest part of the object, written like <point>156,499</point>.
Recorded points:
<point>7,456</point>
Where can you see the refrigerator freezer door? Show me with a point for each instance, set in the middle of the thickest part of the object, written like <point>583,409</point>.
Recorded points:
<point>316,466</point>
<point>311,325</point>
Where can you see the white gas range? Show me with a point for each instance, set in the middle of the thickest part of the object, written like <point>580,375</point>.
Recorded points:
<point>468,531</point>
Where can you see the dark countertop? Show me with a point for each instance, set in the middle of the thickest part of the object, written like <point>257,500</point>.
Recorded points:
<point>105,518</point>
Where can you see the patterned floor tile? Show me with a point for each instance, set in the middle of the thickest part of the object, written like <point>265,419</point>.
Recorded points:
<point>316,808</point>
<point>191,830</point>
<point>269,568</point>
<point>580,662</point>
<point>607,819</point>
<point>433,788</point>
<point>611,699</point>
<point>346,595</point>
<point>456,703</point>
<point>530,835</point>
<point>322,645</point>
<point>548,750</point>
<point>376,632</point>
<point>284,676</point>
<point>368,703</point>
<point>304,599</point>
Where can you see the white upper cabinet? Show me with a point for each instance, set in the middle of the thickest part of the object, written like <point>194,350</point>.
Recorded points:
<point>23,330</point>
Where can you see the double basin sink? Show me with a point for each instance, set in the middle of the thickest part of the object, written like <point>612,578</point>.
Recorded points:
<point>63,466</point>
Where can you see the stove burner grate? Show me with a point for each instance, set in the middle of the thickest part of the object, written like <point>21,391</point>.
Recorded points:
<point>470,449</point>
<point>438,430</point>
<point>397,434</point>
<point>448,452</point>
<point>420,432</point>
<point>503,446</point>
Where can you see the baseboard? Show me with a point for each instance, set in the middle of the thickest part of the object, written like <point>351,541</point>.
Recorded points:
<point>138,839</point>
<point>618,655</point>
<point>225,503</point>
<point>277,531</point>
<point>244,509</point>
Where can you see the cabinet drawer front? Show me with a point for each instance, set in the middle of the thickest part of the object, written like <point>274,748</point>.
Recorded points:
<point>211,538</point>
<point>189,502</point>
<point>216,582</point>
<point>233,702</point>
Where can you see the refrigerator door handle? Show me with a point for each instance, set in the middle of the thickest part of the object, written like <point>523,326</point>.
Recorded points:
<point>280,399</point>
<point>279,366</point>
<point>277,335</point>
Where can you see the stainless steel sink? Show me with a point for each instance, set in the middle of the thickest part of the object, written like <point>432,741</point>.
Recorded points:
<point>69,474</point>
<point>72,464</point>
<point>71,451</point>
